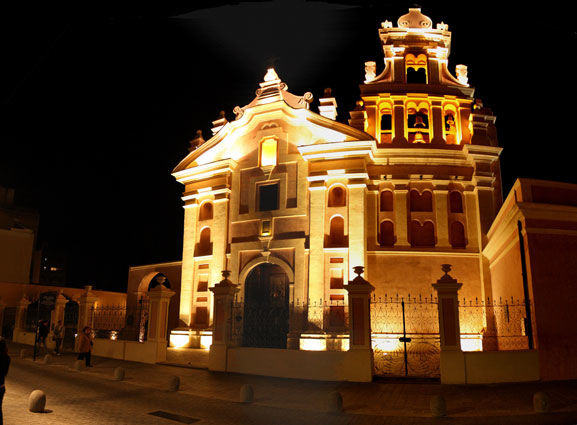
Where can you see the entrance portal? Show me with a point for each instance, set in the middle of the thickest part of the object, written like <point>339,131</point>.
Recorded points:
<point>266,308</point>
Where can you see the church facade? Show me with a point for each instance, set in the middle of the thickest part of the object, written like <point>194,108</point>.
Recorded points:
<point>290,200</point>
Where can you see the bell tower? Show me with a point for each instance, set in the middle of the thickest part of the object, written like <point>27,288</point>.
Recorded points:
<point>415,99</point>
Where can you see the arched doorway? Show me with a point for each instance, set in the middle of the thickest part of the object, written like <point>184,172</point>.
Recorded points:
<point>266,307</point>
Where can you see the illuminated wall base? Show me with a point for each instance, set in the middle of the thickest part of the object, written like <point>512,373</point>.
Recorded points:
<point>190,338</point>
<point>471,342</point>
<point>323,342</point>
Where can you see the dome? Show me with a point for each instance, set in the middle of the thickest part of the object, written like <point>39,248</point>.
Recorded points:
<point>414,19</point>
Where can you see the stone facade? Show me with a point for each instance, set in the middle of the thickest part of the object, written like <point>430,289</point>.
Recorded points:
<point>411,183</point>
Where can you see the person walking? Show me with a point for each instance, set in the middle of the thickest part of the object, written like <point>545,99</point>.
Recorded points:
<point>43,331</point>
<point>4,365</point>
<point>85,345</point>
<point>57,333</point>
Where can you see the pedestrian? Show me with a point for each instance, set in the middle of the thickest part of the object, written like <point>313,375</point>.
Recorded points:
<point>85,345</point>
<point>43,331</point>
<point>4,365</point>
<point>57,335</point>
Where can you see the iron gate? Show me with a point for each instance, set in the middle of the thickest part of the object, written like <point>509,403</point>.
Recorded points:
<point>405,336</point>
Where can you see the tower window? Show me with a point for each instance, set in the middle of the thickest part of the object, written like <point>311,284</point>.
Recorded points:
<point>450,126</point>
<point>386,200</point>
<point>416,67</point>
<point>386,125</point>
<point>204,244</point>
<point>337,197</point>
<point>268,197</point>
<point>268,153</point>
<point>421,202</point>
<point>455,202</point>
<point>205,211</point>
<point>422,235</point>
<point>457,235</point>
<point>386,233</point>
<point>337,232</point>
<point>418,122</point>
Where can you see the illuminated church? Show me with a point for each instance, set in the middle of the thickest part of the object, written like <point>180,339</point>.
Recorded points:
<point>290,200</point>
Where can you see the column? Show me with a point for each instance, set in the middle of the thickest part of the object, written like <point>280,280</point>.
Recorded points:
<point>472,217</point>
<point>316,247</point>
<point>452,358</point>
<point>357,228</point>
<point>21,310</point>
<point>401,218</point>
<point>57,314</point>
<point>219,234</point>
<point>441,217</point>
<point>399,122</point>
<point>159,300</point>
<point>360,343</point>
<point>187,279</point>
<point>437,123</point>
<point>85,310</point>
<point>224,293</point>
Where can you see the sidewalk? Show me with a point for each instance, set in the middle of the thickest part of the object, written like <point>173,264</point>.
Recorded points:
<point>391,398</point>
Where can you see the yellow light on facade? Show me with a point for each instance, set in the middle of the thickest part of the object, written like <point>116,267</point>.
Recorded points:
<point>206,340</point>
<point>268,152</point>
<point>179,340</point>
<point>312,342</point>
<point>471,343</point>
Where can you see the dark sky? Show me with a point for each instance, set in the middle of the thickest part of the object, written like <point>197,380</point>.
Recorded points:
<point>99,102</point>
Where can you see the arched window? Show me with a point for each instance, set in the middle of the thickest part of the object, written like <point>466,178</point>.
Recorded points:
<point>386,125</point>
<point>450,125</point>
<point>422,235</point>
<point>337,197</point>
<point>457,235</point>
<point>204,245</point>
<point>386,233</point>
<point>418,127</point>
<point>421,202</point>
<point>205,211</point>
<point>337,232</point>
<point>416,67</point>
<point>456,202</point>
<point>386,200</point>
<point>268,152</point>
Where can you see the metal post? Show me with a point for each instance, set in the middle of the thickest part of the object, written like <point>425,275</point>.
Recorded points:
<point>404,338</point>
<point>529,322</point>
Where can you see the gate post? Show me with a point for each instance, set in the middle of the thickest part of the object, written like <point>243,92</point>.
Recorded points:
<point>359,293</point>
<point>452,358</point>
<point>21,310</point>
<point>56,314</point>
<point>159,297</point>
<point>224,292</point>
<point>85,305</point>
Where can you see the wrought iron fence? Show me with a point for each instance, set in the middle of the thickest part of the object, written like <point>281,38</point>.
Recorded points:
<point>255,325</point>
<point>499,324</point>
<point>120,322</point>
<point>405,336</point>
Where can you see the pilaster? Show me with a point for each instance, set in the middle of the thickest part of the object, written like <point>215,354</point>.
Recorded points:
<point>219,234</point>
<point>401,230</point>
<point>441,217</point>
<point>357,225</point>
<point>316,244</point>
<point>187,278</point>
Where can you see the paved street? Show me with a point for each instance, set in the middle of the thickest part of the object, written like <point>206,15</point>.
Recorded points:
<point>91,396</point>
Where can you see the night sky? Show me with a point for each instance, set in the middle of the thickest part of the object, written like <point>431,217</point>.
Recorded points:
<point>99,102</point>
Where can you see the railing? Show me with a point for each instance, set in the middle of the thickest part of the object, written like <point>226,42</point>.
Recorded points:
<point>120,322</point>
<point>405,336</point>
<point>255,325</point>
<point>501,324</point>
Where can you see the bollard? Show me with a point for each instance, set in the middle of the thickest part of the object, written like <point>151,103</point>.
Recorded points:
<point>335,402</point>
<point>438,406</point>
<point>79,365</point>
<point>173,383</point>
<point>37,401</point>
<point>541,402</point>
<point>119,373</point>
<point>47,359</point>
<point>246,394</point>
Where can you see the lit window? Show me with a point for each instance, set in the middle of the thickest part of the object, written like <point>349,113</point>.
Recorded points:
<point>386,125</point>
<point>416,69</point>
<point>268,152</point>
<point>450,126</point>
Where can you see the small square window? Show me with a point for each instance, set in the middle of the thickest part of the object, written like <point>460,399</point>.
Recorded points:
<point>268,197</point>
